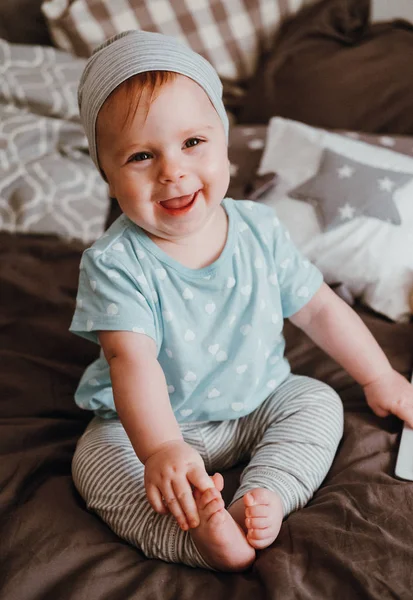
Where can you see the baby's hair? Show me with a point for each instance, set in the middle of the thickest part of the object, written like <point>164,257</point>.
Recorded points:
<point>130,91</point>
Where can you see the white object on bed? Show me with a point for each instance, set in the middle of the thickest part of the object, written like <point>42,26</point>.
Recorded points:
<point>374,259</point>
<point>404,463</point>
<point>385,10</point>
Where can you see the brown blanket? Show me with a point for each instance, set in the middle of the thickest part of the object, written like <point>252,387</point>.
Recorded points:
<point>352,541</point>
<point>330,67</point>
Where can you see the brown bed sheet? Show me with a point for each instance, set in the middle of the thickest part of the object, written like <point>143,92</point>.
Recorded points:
<point>352,541</point>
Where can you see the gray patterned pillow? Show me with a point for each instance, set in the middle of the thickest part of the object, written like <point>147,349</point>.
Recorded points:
<point>48,183</point>
<point>344,189</point>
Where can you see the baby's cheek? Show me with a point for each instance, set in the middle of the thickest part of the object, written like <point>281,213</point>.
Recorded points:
<point>217,171</point>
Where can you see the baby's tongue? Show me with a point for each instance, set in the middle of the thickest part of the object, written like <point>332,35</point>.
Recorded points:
<point>178,202</point>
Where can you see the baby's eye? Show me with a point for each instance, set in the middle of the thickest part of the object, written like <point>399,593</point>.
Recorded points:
<point>140,156</point>
<point>193,142</point>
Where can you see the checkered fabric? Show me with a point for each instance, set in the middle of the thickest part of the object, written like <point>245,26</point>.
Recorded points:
<point>231,34</point>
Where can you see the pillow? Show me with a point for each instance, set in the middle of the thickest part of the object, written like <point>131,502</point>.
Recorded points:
<point>331,68</point>
<point>371,257</point>
<point>343,189</point>
<point>22,22</point>
<point>231,35</point>
<point>48,183</point>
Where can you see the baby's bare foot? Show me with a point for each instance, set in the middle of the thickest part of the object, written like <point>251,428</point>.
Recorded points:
<point>263,517</point>
<point>218,537</point>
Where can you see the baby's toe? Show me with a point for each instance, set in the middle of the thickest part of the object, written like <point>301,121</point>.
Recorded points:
<point>212,509</point>
<point>208,496</point>
<point>256,523</point>
<point>257,496</point>
<point>258,510</point>
<point>259,538</point>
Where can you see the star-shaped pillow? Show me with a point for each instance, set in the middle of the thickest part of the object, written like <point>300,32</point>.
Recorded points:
<point>344,189</point>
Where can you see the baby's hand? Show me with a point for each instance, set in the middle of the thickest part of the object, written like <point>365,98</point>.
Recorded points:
<point>169,473</point>
<point>391,393</point>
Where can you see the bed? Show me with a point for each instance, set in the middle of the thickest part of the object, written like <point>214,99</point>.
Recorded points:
<point>353,539</point>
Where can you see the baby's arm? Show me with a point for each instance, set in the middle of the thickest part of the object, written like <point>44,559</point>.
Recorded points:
<point>340,332</point>
<point>143,406</point>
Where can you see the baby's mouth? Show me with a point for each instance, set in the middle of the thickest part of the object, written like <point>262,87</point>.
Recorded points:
<point>178,203</point>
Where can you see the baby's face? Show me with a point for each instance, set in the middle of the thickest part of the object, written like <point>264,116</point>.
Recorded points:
<point>168,168</point>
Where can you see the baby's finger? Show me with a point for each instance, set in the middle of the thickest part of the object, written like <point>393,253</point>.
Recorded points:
<point>174,506</point>
<point>183,493</point>
<point>404,410</point>
<point>200,478</point>
<point>155,499</point>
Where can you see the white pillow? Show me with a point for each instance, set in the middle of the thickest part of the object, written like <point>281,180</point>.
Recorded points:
<point>374,259</point>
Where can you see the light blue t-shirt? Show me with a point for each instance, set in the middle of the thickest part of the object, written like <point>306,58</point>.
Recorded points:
<point>218,330</point>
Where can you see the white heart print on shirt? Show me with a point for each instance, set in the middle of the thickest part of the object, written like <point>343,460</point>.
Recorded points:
<point>245,329</point>
<point>303,292</point>
<point>185,412</point>
<point>190,376</point>
<point>189,335</point>
<point>119,247</point>
<point>167,315</point>
<point>221,356</point>
<point>214,393</point>
<point>112,310</point>
<point>187,294</point>
<point>210,308</point>
<point>161,273</point>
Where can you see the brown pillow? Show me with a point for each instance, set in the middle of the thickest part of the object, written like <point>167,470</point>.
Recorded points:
<point>331,68</point>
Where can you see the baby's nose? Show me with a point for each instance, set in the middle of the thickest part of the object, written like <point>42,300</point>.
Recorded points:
<point>171,171</point>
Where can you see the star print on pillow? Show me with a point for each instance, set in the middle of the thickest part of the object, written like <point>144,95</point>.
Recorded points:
<point>344,189</point>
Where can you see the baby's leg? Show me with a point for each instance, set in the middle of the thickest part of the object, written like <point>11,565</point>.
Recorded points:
<point>296,434</point>
<point>110,478</point>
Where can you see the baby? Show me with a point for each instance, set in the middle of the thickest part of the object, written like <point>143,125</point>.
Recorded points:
<point>186,294</point>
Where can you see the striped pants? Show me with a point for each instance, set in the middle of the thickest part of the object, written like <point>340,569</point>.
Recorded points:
<point>290,441</point>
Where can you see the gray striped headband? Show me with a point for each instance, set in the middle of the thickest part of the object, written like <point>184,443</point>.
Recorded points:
<point>132,52</point>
